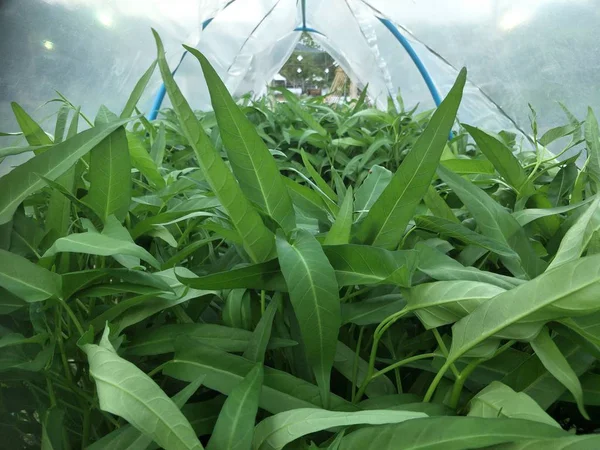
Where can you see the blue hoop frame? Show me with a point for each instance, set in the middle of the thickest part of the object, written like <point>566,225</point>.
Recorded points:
<point>435,94</point>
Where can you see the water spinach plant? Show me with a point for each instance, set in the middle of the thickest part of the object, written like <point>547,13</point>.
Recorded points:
<point>299,276</point>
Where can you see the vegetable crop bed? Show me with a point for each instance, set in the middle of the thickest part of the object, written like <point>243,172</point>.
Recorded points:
<point>297,275</point>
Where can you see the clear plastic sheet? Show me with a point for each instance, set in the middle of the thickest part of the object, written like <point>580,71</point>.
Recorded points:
<point>93,51</point>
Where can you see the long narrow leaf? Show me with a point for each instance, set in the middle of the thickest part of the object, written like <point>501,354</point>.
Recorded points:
<point>251,162</point>
<point>387,219</point>
<point>257,239</point>
<point>314,295</point>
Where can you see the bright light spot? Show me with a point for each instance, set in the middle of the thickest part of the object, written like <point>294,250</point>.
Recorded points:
<point>513,19</point>
<point>299,70</point>
<point>299,58</point>
<point>49,45</point>
<point>105,18</point>
<point>327,70</point>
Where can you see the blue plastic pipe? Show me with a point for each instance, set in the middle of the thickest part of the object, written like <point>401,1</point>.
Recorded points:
<point>160,95</point>
<point>415,58</point>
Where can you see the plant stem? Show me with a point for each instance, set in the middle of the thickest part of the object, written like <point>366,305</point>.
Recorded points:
<point>444,350</point>
<point>435,382</point>
<point>157,369</point>
<point>262,302</point>
<point>460,381</point>
<point>355,365</point>
<point>73,317</point>
<point>403,363</point>
<point>379,331</point>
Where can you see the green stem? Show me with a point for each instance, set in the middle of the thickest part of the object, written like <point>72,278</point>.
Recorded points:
<point>379,331</point>
<point>444,350</point>
<point>262,302</point>
<point>181,314</point>
<point>157,369</point>
<point>51,391</point>
<point>355,365</point>
<point>435,382</point>
<point>73,317</point>
<point>396,370</point>
<point>460,381</point>
<point>351,294</point>
<point>403,363</point>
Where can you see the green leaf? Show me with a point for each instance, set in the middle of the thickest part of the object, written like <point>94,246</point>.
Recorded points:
<point>307,200</point>
<point>577,238</point>
<point>31,130</point>
<point>130,438</point>
<point>569,289</point>
<point>110,173</point>
<point>468,166</point>
<point>266,276</point>
<point>59,208</point>
<point>293,103</point>
<point>251,162</point>
<point>23,180</point>
<point>203,415</point>
<point>562,184</point>
<point>340,230</point>
<point>363,264</point>
<point>592,140</point>
<point>235,425</point>
<point>557,132</point>
<point>75,282</point>
<point>586,442</point>
<point>126,391</point>
<point>157,151</point>
<point>507,165</point>
<point>137,92</point>
<point>447,433</point>
<point>557,365</point>
<point>496,223</point>
<point>498,400</point>
<point>52,427</point>
<point>458,231</point>
<point>321,183</point>
<point>344,363</point>
<point>532,378</point>
<point>438,206</point>
<point>61,123</point>
<point>98,244</point>
<point>590,383</point>
<point>445,302</point>
<point>237,312</point>
<point>27,280</point>
<point>370,189</point>
<point>372,310</point>
<point>387,219</point>
<point>315,299</point>
<point>258,241</point>
<point>526,216</point>
<point>441,267</point>
<point>158,340</point>
<point>275,432</point>
<point>140,159</point>
<point>257,346</point>
<point>281,391</point>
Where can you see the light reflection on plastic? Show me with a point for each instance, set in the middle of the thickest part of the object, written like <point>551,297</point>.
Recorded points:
<point>514,18</point>
<point>49,45</point>
<point>105,19</point>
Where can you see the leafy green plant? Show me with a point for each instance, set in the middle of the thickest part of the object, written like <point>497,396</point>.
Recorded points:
<point>297,275</point>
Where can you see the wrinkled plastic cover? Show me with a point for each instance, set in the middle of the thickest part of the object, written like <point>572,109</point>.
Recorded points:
<point>517,52</point>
